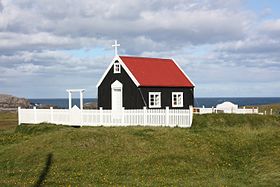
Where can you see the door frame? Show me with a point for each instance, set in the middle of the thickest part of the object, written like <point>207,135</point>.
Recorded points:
<point>116,85</point>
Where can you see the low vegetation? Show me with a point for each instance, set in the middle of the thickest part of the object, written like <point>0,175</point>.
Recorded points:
<point>8,120</point>
<point>267,108</point>
<point>219,150</point>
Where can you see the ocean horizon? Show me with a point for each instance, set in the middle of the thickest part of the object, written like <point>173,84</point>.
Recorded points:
<point>198,101</point>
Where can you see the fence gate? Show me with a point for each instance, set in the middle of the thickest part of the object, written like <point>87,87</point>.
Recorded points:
<point>75,116</point>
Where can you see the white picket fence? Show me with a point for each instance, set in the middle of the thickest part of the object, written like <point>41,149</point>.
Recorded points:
<point>75,116</point>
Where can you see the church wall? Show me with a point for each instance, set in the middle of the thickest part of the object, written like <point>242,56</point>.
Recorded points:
<point>131,96</point>
<point>166,96</point>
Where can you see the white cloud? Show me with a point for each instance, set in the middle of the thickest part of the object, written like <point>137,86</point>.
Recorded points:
<point>176,22</point>
<point>216,42</point>
<point>271,27</point>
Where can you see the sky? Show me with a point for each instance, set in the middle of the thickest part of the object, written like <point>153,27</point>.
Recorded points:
<point>229,48</point>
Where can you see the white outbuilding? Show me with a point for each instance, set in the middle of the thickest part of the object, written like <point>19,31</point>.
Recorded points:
<point>227,107</point>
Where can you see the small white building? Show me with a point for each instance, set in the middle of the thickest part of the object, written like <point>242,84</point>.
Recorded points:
<point>227,107</point>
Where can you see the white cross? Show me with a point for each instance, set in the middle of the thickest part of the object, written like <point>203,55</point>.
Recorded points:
<point>116,45</point>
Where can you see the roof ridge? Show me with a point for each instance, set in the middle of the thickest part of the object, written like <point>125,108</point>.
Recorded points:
<point>146,57</point>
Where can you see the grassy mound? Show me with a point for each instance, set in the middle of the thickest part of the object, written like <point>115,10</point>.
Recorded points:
<point>219,150</point>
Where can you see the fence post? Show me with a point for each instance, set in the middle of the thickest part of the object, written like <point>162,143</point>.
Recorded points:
<point>19,116</point>
<point>166,116</point>
<point>145,115</point>
<point>123,110</point>
<point>265,112</point>
<point>51,109</point>
<point>101,115</point>
<point>271,111</point>
<point>190,115</point>
<point>212,109</point>
<point>81,117</point>
<point>244,111</point>
<point>35,114</point>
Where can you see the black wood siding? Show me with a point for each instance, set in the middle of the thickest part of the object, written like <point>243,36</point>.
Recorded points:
<point>131,96</point>
<point>137,98</point>
<point>166,95</point>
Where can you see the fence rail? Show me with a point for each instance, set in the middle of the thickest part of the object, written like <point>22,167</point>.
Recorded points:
<point>75,116</point>
<point>243,110</point>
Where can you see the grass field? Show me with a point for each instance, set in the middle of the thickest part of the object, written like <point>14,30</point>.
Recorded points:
<point>219,150</point>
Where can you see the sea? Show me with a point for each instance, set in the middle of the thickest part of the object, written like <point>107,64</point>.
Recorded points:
<point>198,102</point>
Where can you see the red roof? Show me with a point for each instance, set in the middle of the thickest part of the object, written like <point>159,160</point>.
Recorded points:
<point>156,72</point>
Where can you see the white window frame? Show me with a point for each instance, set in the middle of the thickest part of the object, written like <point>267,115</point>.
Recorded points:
<point>176,95</point>
<point>117,67</point>
<point>155,105</point>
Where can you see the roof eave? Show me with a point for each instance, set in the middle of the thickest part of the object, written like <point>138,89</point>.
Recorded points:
<point>167,86</point>
<point>183,72</point>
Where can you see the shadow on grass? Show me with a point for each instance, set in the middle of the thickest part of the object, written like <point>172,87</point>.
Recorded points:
<point>45,171</point>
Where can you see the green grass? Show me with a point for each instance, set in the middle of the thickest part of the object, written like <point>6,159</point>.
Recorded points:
<point>219,150</point>
<point>8,120</point>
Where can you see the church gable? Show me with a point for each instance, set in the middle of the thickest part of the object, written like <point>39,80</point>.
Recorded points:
<point>117,65</point>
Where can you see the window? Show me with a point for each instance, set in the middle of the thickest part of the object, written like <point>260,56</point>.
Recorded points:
<point>117,67</point>
<point>154,100</point>
<point>177,99</point>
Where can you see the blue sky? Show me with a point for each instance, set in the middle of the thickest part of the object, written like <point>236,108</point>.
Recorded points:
<point>227,47</point>
<point>261,6</point>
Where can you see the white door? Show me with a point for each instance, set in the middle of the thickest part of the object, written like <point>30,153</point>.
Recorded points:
<point>116,96</point>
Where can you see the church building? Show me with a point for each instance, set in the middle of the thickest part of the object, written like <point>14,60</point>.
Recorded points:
<point>136,82</point>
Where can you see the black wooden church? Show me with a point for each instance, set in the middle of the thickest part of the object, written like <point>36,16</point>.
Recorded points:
<point>137,82</point>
